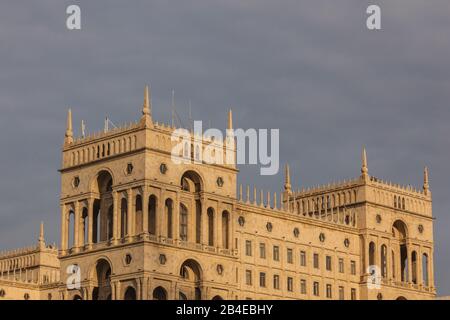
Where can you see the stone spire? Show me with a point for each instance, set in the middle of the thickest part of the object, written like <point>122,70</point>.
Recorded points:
<point>426,185</point>
<point>41,236</point>
<point>287,179</point>
<point>364,168</point>
<point>230,120</point>
<point>146,118</point>
<point>68,137</point>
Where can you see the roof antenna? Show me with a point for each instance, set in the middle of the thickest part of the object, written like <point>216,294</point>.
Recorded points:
<point>107,123</point>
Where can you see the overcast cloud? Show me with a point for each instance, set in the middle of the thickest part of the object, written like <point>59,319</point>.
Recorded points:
<point>310,68</point>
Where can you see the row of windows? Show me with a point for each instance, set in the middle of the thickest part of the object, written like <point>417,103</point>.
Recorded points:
<point>290,257</point>
<point>303,285</point>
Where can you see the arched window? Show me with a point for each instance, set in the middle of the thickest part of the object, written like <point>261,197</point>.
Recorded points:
<point>152,214</point>
<point>414,266</point>
<point>159,294</point>
<point>85,226</point>
<point>210,226</point>
<point>138,214</point>
<point>371,253</point>
<point>183,222</point>
<point>130,294</point>
<point>383,261</point>
<point>395,201</point>
<point>123,217</point>
<point>71,220</point>
<point>198,221</point>
<point>225,229</point>
<point>168,210</point>
<point>425,276</point>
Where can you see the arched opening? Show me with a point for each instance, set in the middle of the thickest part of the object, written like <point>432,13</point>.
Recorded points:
<point>130,294</point>
<point>225,229</point>
<point>191,182</point>
<point>217,298</point>
<point>401,298</point>
<point>138,206</point>
<point>399,233</point>
<point>371,253</point>
<point>191,273</point>
<point>210,214</point>
<point>102,280</point>
<point>103,207</point>
<point>198,221</point>
<point>152,201</point>
<point>183,222</point>
<point>383,260</point>
<point>159,294</point>
<point>425,270</point>
<point>77,297</point>
<point>84,226</point>
<point>123,217</point>
<point>414,266</point>
<point>71,242</point>
<point>182,296</point>
<point>168,211</point>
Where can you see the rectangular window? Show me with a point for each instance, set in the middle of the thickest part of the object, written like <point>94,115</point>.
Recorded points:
<point>290,284</point>
<point>316,260</point>
<point>276,253</point>
<point>328,263</point>
<point>341,265</point>
<point>290,258</point>
<point>276,281</point>
<point>329,294</point>
<point>303,258</point>
<point>353,294</point>
<point>353,267</point>
<point>341,293</point>
<point>262,250</point>
<point>248,277</point>
<point>316,289</point>
<point>262,279</point>
<point>303,286</point>
<point>248,248</point>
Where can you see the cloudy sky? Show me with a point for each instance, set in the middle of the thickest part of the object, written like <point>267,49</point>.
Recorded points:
<point>310,68</point>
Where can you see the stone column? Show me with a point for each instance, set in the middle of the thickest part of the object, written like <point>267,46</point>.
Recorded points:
<point>138,289</point>
<point>176,218</point>
<point>63,229</point>
<point>409,261</point>
<point>116,225</point>
<point>145,195</point>
<point>204,224</point>
<point>91,221</point>
<point>129,214</point>
<point>118,294</point>
<point>76,226</point>
<point>113,290</point>
<point>219,243</point>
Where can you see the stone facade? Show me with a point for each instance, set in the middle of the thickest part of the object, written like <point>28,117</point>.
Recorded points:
<point>139,226</point>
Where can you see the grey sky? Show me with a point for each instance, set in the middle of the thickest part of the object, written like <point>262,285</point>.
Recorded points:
<point>310,68</point>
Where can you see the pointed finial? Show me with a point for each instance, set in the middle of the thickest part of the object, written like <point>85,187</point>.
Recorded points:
<point>364,168</point>
<point>426,185</point>
<point>41,235</point>
<point>146,118</point>
<point>287,178</point>
<point>69,132</point>
<point>230,120</point>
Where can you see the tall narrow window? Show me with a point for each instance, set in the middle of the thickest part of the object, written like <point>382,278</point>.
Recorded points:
<point>383,254</point>
<point>248,277</point>
<point>183,223</point>
<point>316,288</point>
<point>425,269</point>
<point>341,265</point>
<point>341,293</point>
<point>262,279</point>
<point>276,253</point>
<point>329,291</point>
<point>169,209</point>
<point>262,250</point>
<point>303,258</point>
<point>316,261</point>
<point>152,214</point>
<point>248,248</point>
<point>276,282</point>
<point>353,294</point>
<point>371,253</point>
<point>328,264</point>
<point>123,217</point>
<point>290,284</point>
<point>303,286</point>
<point>198,221</point>
<point>225,229</point>
<point>210,226</point>
<point>353,267</point>
<point>290,258</point>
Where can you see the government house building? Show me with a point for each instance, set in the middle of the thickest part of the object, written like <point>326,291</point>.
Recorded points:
<point>136,225</point>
